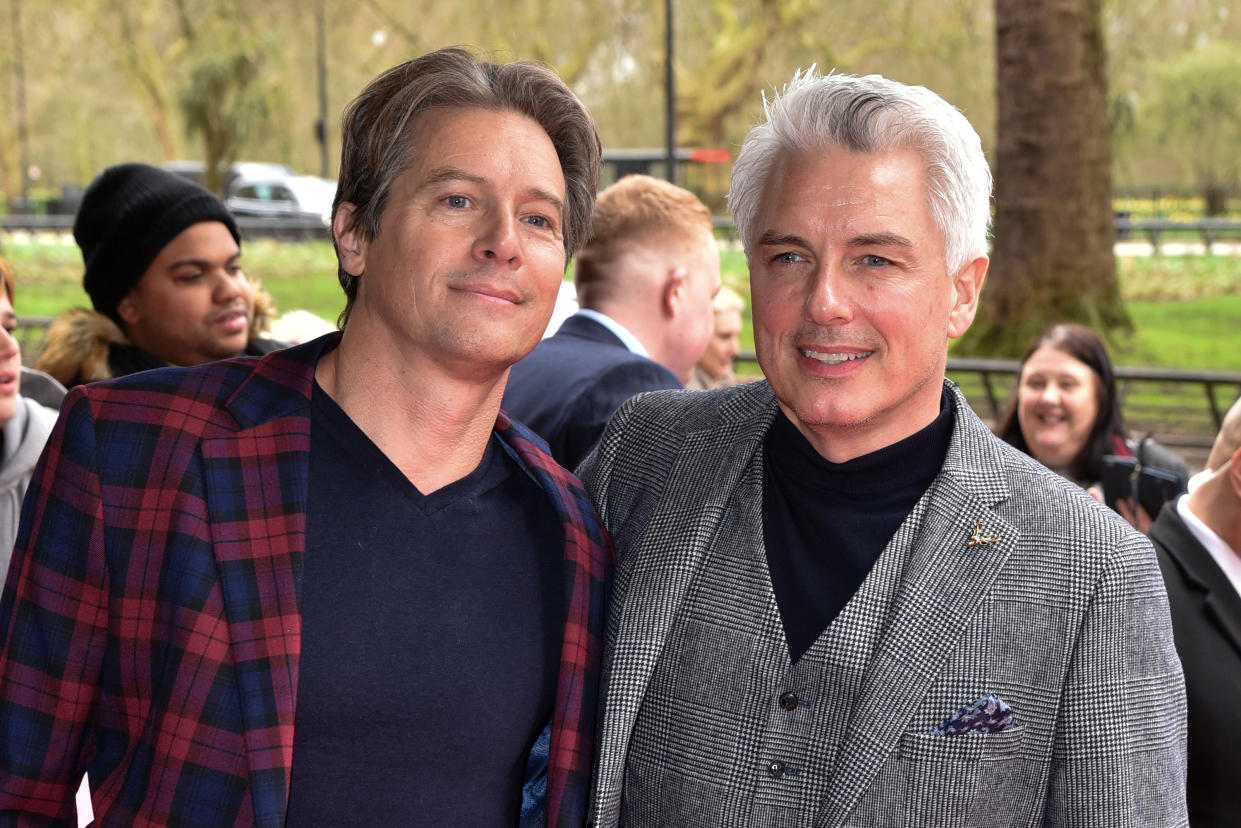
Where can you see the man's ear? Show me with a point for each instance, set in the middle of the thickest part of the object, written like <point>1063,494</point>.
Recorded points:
<point>966,288</point>
<point>127,309</point>
<point>350,243</point>
<point>672,295</point>
<point>1234,473</point>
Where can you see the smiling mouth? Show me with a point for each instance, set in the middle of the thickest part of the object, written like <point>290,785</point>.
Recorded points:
<point>493,292</point>
<point>231,314</point>
<point>831,358</point>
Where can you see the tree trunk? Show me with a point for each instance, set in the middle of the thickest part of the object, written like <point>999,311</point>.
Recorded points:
<point>1052,258</point>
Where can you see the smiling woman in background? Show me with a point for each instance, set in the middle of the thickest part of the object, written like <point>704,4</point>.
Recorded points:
<point>25,425</point>
<point>1066,412</point>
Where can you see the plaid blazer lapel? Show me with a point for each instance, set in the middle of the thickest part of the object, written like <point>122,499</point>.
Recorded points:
<point>960,547</point>
<point>587,580</point>
<point>256,488</point>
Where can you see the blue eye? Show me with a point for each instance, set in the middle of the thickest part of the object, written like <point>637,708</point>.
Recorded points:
<point>874,261</point>
<point>787,258</point>
<point>457,202</point>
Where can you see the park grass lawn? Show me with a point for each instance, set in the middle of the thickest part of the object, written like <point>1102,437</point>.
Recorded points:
<point>1186,310</point>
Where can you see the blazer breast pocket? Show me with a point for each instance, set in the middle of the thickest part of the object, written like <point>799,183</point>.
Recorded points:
<point>964,747</point>
<point>971,779</point>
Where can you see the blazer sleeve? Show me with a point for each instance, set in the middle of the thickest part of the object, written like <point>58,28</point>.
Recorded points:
<point>1119,746</point>
<point>53,629</point>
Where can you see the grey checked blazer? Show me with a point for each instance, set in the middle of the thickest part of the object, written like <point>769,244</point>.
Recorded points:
<point>1060,611</point>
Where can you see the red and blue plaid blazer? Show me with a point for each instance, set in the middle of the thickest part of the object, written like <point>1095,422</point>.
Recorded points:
<point>150,627</point>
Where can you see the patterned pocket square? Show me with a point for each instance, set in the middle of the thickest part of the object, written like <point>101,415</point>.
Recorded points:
<point>986,714</point>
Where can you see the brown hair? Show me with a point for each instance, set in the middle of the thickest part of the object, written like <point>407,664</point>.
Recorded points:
<point>377,143</point>
<point>7,275</point>
<point>638,208</point>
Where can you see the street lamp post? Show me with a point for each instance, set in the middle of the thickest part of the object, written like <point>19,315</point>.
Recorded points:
<point>321,131</point>
<point>670,96</point>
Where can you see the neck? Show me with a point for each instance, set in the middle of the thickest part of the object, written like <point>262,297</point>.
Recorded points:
<point>652,329</point>
<point>1213,504</point>
<point>433,426</point>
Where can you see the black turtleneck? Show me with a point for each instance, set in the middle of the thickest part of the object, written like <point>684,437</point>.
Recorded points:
<point>824,524</point>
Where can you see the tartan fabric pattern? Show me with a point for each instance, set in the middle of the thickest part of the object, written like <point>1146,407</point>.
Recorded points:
<point>150,624</point>
<point>588,565</point>
<point>1061,612</point>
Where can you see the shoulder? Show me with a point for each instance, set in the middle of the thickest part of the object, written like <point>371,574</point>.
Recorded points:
<point>76,347</point>
<point>40,418</point>
<point>651,432</point>
<point>223,393</point>
<point>1065,539</point>
<point>684,412</point>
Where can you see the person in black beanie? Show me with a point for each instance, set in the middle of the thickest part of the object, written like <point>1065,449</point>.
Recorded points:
<point>162,269</point>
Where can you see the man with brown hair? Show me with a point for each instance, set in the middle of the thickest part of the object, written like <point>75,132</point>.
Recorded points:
<point>335,584</point>
<point>645,280</point>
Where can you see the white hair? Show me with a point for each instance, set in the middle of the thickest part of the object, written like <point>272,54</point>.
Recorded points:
<point>872,114</point>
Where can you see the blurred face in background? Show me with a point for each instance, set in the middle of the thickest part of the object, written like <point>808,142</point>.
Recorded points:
<point>695,324</point>
<point>1057,405</point>
<point>10,360</point>
<point>193,304</point>
<point>724,346</point>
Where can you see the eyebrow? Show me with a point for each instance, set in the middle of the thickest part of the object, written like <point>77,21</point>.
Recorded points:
<point>773,239</point>
<point>201,262</point>
<point>880,240</point>
<point>443,174</point>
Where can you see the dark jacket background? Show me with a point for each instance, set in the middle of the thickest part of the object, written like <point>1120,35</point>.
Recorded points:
<point>572,383</point>
<point>1206,625</point>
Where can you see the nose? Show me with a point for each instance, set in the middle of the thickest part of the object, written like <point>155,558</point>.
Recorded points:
<point>826,300</point>
<point>499,242</point>
<point>228,286</point>
<point>9,346</point>
<point>733,349</point>
<point>1050,393</point>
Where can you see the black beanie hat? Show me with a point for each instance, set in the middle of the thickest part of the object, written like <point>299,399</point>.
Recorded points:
<point>128,214</point>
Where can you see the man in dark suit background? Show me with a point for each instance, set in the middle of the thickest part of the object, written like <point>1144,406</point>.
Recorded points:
<point>645,281</point>
<point>1198,541</point>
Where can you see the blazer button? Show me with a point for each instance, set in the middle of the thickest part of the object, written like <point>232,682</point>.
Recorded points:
<point>776,768</point>
<point>788,700</point>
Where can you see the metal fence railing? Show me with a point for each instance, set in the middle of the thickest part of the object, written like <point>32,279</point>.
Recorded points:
<point>1179,407</point>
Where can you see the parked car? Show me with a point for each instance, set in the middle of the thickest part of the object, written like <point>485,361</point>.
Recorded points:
<point>194,171</point>
<point>292,196</point>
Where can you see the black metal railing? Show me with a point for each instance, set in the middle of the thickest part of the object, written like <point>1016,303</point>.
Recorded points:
<point>1182,408</point>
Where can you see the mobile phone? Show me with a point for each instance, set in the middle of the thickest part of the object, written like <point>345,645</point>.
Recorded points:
<point>1118,479</point>
<point>1156,487</point>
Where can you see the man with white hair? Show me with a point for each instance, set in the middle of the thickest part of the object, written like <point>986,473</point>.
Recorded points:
<point>1198,541</point>
<point>840,599</point>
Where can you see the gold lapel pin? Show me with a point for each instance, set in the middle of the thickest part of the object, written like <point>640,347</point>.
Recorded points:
<point>977,538</point>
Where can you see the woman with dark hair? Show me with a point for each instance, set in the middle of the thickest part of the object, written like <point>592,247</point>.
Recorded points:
<point>1066,412</point>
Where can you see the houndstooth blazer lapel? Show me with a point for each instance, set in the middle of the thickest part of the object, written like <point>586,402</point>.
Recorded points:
<point>652,581</point>
<point>961,546</point>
